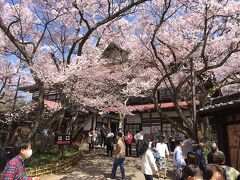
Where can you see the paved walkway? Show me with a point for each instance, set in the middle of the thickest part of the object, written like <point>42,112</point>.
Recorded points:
<point>97,166</point>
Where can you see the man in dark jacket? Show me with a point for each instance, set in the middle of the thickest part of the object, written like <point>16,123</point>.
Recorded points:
<point>214,148</point>
<point>103,133</point>
<point>109,142</point>
<point>201,157</point>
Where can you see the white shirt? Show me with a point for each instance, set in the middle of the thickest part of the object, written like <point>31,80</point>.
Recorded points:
<point>148,163</point>
<point>139,136</point>
<point>110,135</point>
<point>90,135</point>
<point>162,149</point>
<point>94,136</point>
<point>150,144</point>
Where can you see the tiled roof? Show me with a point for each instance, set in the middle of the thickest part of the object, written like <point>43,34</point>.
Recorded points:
<point>222,103</point>
<point>220,106</point>
<point>148,107</point>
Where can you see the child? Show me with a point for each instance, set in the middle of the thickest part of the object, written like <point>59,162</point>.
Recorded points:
<point>156,154</point>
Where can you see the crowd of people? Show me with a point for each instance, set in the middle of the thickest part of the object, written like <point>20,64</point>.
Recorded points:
<point>195,165</point>
<point>104,137</point>
<point>190,161</point>
<point>123,148</point>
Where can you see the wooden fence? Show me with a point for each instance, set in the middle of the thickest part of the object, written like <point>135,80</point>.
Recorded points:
<point>54,168</point>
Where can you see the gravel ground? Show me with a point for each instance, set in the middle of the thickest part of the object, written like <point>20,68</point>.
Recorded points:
<point>97,166</point>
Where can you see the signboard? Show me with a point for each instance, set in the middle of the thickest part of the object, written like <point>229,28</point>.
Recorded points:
<point>63,139</point>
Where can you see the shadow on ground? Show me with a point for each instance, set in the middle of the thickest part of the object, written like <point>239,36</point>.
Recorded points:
<point>95,166</point>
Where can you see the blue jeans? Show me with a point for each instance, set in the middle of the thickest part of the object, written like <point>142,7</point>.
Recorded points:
<point>120,162</point>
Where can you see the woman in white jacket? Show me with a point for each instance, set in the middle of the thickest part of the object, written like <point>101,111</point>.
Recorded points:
<point>149,166</point>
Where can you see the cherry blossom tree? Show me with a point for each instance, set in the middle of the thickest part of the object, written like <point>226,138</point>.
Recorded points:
<point>173,44</point>
<point>52,37</point>
<point>9,83</point>
<point>7,71</point>
<point>189,44</point>
<point>11,78</point>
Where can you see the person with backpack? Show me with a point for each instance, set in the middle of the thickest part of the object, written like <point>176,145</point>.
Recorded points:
<point>214,172</point>
<point>230,172</point>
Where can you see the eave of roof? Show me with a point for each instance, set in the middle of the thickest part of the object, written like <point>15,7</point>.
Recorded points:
<point>219,107</point>
<point>226,98</point>
<point>150,107</point>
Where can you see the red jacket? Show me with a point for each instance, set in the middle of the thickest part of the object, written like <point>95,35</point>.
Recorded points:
<point>128,138</point>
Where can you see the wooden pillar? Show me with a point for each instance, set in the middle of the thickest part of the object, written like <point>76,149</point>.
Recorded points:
<point>150,122</point>
<point>92,122</point>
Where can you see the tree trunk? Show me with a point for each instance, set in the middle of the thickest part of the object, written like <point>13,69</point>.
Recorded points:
<point>8,134</point>
<point>72,120</point>
<point>121,122</point>
<point>175,124</point>
<point>38,121</point>
<point>194,107</point>
<point>75,132</point>
<point>206,130</point>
